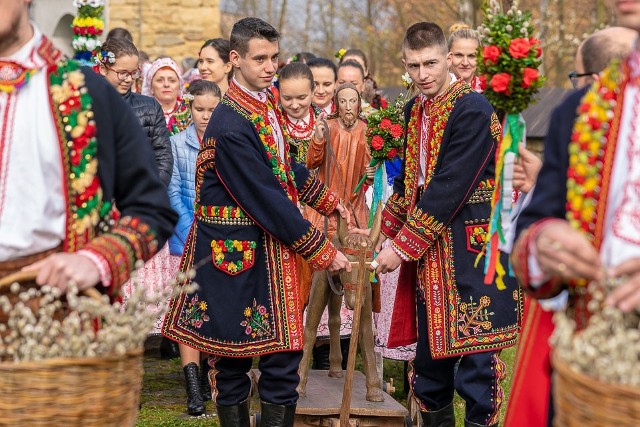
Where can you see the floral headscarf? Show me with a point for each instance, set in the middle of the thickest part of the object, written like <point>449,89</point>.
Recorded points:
<point>153,69</point>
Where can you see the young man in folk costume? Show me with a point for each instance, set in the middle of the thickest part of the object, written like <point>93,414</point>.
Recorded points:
<point>70,148</point>
<point>437,218</point>
<point>530,403</point>
<point>243,242</point>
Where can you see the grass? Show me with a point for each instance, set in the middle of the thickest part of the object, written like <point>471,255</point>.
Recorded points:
<point>163,393</point>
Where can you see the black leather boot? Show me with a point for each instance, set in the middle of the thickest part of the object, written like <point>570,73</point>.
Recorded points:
<point>234,416</point>
<point>320,356</point>
<point>195,404</point>
<point>205,387</point>
<point>277,415</point>
<point>441,418</point>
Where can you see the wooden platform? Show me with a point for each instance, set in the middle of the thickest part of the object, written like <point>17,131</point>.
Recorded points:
<point>321,406</point>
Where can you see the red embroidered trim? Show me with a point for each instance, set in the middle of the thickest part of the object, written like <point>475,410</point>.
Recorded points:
<point>394,215</point>
<point>258,114</point>
<point>317,195</point>
<point>8,120</point>
<point>315,248</point>
<point>439,111</point>
<point>419,232</point>
<point>128,241</point>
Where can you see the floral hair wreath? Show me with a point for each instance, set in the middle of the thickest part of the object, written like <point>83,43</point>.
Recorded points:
<point>188,97</point>
<point>105,56</point>
<point>340,53</point>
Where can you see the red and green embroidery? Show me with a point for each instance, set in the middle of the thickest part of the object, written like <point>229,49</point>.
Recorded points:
<point>220,249</point>
<point>256,111</point>
<point>194,313</point>
<point>226,212</point>
<point>256,322</point>
<point>73,108</point>
<point>595,131</point>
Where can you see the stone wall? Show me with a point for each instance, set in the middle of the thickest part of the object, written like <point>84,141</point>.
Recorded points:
<point>175,28</point>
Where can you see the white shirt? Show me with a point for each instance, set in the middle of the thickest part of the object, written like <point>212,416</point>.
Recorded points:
<point>32,204</point>
<point>621,240</point>
<point>424,134</point>
<point>273,118</point>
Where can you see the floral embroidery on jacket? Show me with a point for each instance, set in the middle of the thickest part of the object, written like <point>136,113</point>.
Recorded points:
<point>256,321</point>
<point>474,317</point>
<point>195,314</point>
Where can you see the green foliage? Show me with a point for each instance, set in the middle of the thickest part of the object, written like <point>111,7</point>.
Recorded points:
<point>509,58</point>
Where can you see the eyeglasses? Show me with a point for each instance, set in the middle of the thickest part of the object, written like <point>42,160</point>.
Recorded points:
<point>122,75</point>
<point>574,76</point>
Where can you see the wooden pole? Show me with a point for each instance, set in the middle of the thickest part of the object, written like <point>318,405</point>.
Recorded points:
<point>345,409</point>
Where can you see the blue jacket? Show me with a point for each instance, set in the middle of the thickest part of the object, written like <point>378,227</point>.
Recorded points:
<point>182,191</point>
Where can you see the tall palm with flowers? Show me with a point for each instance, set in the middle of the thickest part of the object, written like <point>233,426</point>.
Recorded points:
<point>87,27</point>
<point>509,68</point>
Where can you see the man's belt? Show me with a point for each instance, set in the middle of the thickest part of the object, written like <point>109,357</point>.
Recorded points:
<point>222,215</point>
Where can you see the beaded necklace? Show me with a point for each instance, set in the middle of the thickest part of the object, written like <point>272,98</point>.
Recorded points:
<point>300,135</point>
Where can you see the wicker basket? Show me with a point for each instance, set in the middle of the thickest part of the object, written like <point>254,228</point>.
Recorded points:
<point>72,392</point>
<point>87,392</point>
<point>583,401</point>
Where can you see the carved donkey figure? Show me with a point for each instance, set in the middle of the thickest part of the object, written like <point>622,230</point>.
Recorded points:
<point>322,296</point>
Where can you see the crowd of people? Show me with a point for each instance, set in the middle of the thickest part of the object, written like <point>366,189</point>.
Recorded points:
<point>236,170</point>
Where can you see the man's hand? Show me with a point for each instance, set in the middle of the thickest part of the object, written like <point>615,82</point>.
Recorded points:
<point>626,296</point>
<point>565,252</point>
<point>379,243</point>
<point>387,260</point>
<point>363,231</point>
<point>339,263</point>
<point>526,169</point>
<point>60,269</point>
<point>343,212</point>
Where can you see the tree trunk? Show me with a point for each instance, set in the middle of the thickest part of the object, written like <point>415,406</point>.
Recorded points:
<point>283,13</point>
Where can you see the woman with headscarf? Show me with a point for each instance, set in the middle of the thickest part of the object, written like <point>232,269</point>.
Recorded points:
<point>164,82</point>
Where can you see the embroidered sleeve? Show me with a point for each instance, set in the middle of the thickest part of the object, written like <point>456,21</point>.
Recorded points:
<point>417,234</point>
<point>317,195</point>
<point>315,248</point>
<point>394,215</point>
<point>128,241</point>
<point>520,264</point>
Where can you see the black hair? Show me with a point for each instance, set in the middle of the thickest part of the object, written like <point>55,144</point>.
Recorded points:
<point>425,34</point>
<point>354,64</point>
<point>250,28</point>
<point>303,57</point>
<point>204,87</point>
<point>296,70</point>
<point>222,46</point>
<point>120,33</point>
<point>357,53</point>
<point>323,63</point>
<point>120,47</point>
